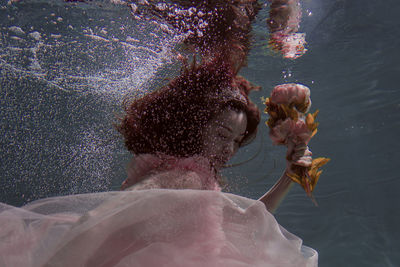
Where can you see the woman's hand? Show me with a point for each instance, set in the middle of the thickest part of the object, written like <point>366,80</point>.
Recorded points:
<point>297,155</point>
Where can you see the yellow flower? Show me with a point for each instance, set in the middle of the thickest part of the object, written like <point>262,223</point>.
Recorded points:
<point>308,177</point>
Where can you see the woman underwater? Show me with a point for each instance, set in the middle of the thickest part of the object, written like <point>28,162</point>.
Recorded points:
<point>205,128</point>
<point>177,145</point>
<point>181,136</point>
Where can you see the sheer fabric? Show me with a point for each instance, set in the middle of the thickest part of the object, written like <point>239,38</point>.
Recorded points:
<point>158,227</point>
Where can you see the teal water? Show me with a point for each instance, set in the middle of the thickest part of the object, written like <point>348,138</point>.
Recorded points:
<point>62,86</point>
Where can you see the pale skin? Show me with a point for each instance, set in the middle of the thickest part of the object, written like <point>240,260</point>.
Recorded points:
<point>222,136</point>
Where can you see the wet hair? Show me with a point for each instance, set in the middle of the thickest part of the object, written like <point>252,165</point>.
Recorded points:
<point>213,26</point>
<point>171,120</point>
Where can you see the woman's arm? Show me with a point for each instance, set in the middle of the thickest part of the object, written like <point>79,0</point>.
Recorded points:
<point>297,155</point>
<point>277,193</point>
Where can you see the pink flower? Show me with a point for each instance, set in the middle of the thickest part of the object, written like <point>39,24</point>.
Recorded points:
<point>292,93</point>
<point>290,130</point>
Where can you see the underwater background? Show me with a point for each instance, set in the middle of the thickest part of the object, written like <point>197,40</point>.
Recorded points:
<point>65,69</point>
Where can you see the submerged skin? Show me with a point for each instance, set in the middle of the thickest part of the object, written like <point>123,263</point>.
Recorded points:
<point>223,135</point>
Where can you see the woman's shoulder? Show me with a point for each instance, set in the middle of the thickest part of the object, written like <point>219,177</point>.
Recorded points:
<point>170,179</point>
<point>150,171</point>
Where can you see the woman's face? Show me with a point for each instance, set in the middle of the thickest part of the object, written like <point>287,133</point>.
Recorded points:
<point>222,136</point>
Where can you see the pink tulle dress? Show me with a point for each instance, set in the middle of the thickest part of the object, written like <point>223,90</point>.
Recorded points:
<point>149,227</point>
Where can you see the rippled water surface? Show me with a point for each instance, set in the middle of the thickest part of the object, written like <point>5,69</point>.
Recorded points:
<point>65,68</point>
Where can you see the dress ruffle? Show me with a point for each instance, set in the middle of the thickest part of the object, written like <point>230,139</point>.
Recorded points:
<point>156,227</point>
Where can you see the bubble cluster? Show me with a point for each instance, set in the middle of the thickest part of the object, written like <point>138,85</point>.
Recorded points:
<point>65,68</point>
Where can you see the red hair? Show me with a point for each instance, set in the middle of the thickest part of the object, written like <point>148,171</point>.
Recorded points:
<point>171,120</point>
<point>213,27</point>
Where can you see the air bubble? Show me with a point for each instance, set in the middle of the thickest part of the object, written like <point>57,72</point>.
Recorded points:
<point>35,35</point>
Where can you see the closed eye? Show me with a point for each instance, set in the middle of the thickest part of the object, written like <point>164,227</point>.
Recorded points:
<point>223,136</point>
